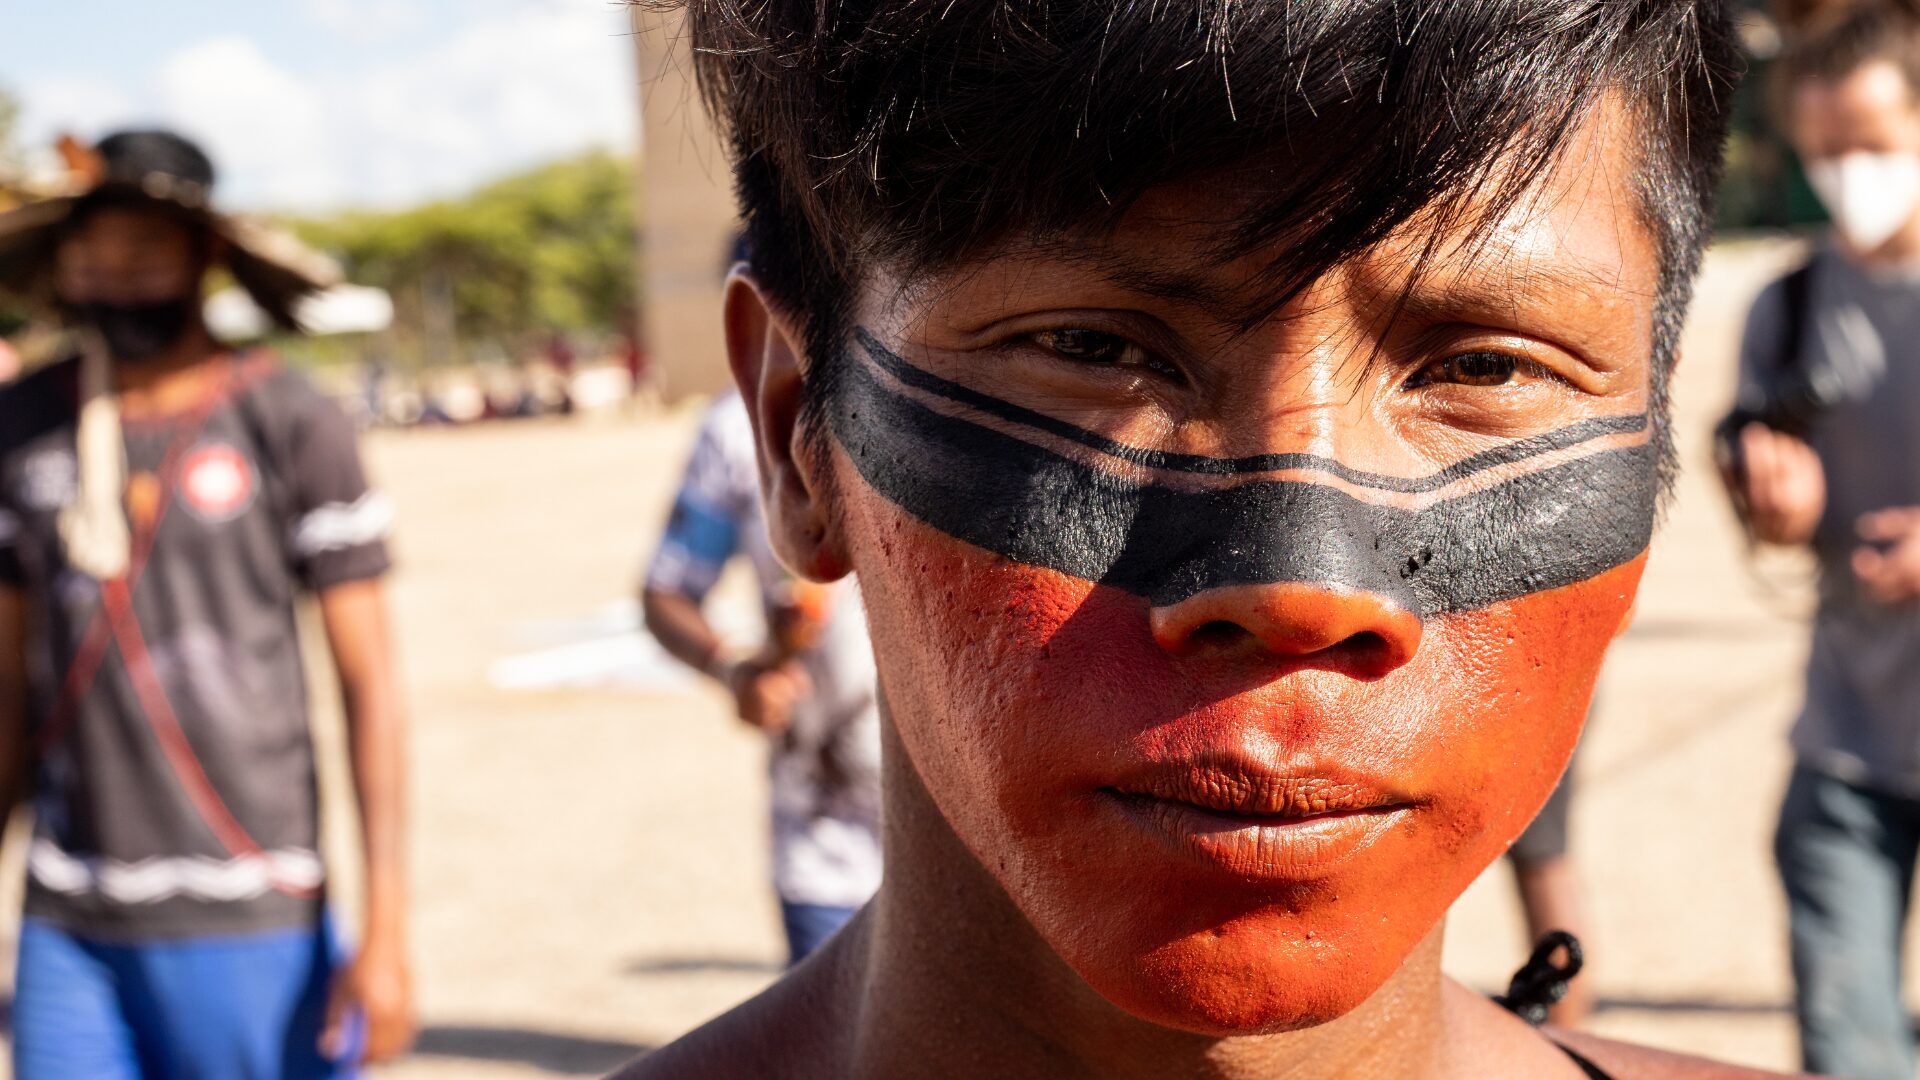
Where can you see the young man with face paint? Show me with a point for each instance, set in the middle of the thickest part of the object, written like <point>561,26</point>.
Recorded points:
<point>1246,421</point>
<point>163,501</point>
<point>1826,457</point>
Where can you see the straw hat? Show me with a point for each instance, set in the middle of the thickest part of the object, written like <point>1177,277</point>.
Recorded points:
<point>153,170</point>
<point>160,170</point>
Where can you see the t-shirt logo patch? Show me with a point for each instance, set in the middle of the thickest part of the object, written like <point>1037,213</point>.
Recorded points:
<point>216,482</point>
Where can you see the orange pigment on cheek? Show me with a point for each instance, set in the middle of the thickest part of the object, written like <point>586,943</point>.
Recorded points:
<point>1015,689</point>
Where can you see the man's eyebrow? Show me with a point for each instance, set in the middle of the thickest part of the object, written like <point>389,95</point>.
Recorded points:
<point>1437,292</point>
<point>1197,286</point>
<point>1229,300</point>
<point>1509,286</point>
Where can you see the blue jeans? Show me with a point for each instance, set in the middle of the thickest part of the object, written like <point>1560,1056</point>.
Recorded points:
<point>240,1007</point>
<point>1846,856</point>
<point>809,926</point>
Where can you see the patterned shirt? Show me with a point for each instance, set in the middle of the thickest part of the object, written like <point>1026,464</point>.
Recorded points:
<point>826,767</point>
<point>174,794</point>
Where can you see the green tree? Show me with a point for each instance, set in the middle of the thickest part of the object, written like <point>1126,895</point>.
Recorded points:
<point>547,250</point>
<point>9,132</point>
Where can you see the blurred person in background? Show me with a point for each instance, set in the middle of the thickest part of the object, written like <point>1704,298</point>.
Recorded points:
<point>163,503</point>
<point>810,687</point>
<point>1551,897</point>
<point>1823,450</point>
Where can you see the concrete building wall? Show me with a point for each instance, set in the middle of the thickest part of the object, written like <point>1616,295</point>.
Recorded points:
<point>688,215</point>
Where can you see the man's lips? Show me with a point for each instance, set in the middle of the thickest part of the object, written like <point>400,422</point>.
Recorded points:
<point>1260,823</point>
<point>1249,792</point>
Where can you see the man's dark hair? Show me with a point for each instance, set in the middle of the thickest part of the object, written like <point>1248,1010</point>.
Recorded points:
<point>1837,39</point>
<point>913,133</point>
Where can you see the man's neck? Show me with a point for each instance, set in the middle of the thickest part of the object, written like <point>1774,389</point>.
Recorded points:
<point>954,981</point>
<point>172,382</point>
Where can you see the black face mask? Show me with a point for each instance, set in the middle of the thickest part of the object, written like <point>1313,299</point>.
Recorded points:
<point>139,332</point>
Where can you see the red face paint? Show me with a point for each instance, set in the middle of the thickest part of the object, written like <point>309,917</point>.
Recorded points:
<point>1044,718</point>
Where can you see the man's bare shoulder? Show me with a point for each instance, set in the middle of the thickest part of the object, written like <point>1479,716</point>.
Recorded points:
<point>1629,1061</point>
<point>790,1029</point>
<point>729,1045</point>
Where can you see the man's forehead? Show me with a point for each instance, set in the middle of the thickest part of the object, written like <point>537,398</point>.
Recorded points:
<point>1578,226</point>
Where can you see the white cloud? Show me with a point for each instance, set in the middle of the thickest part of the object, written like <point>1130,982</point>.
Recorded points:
<point>366,20</point>
<point>84,106</point>
<point>271,135</point>
<point>517,82</point>
<point>533,84</point>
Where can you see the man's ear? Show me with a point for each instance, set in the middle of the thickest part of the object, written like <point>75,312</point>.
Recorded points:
<point>768,361</point>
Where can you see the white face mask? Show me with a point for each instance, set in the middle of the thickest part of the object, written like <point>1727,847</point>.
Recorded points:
<point>1870,196</point>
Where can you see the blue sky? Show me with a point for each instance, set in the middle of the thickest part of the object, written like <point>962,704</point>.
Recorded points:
<point>314,104</point>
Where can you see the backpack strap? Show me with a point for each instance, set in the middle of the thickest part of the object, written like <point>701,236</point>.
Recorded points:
<point>1789,370</point>
<point>1785,368</point>
<point>1796,296</point>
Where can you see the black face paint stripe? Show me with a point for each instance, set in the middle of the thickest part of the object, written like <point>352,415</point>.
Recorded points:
<point>1519,450</point>
<point>1542,530</point>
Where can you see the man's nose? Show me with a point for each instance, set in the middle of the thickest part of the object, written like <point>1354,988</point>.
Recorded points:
<point>1350,630</point>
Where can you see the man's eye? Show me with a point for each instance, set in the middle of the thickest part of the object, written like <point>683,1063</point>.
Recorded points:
<point>1086,346</point>
<point>1475,369</point>
<point>1100,348</point>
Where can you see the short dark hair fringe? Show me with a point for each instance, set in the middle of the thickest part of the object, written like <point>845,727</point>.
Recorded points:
<point>912,133</point>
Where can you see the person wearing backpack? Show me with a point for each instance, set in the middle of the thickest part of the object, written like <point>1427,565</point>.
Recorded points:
<point>163,504</point>
<point>1823,450</point>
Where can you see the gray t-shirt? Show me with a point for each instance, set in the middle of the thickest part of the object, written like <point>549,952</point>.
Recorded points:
<point>1861,720</point>
<point>174,788</point>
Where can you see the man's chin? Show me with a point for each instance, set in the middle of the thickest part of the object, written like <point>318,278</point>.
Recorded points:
<point>1240,980</point>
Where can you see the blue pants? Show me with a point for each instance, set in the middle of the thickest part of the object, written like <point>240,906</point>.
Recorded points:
<point>244,1007</point>
<point>1846,856</point>
<point>809,926</point>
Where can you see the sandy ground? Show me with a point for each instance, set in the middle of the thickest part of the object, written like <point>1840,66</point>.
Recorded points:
<point>590,862</point>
